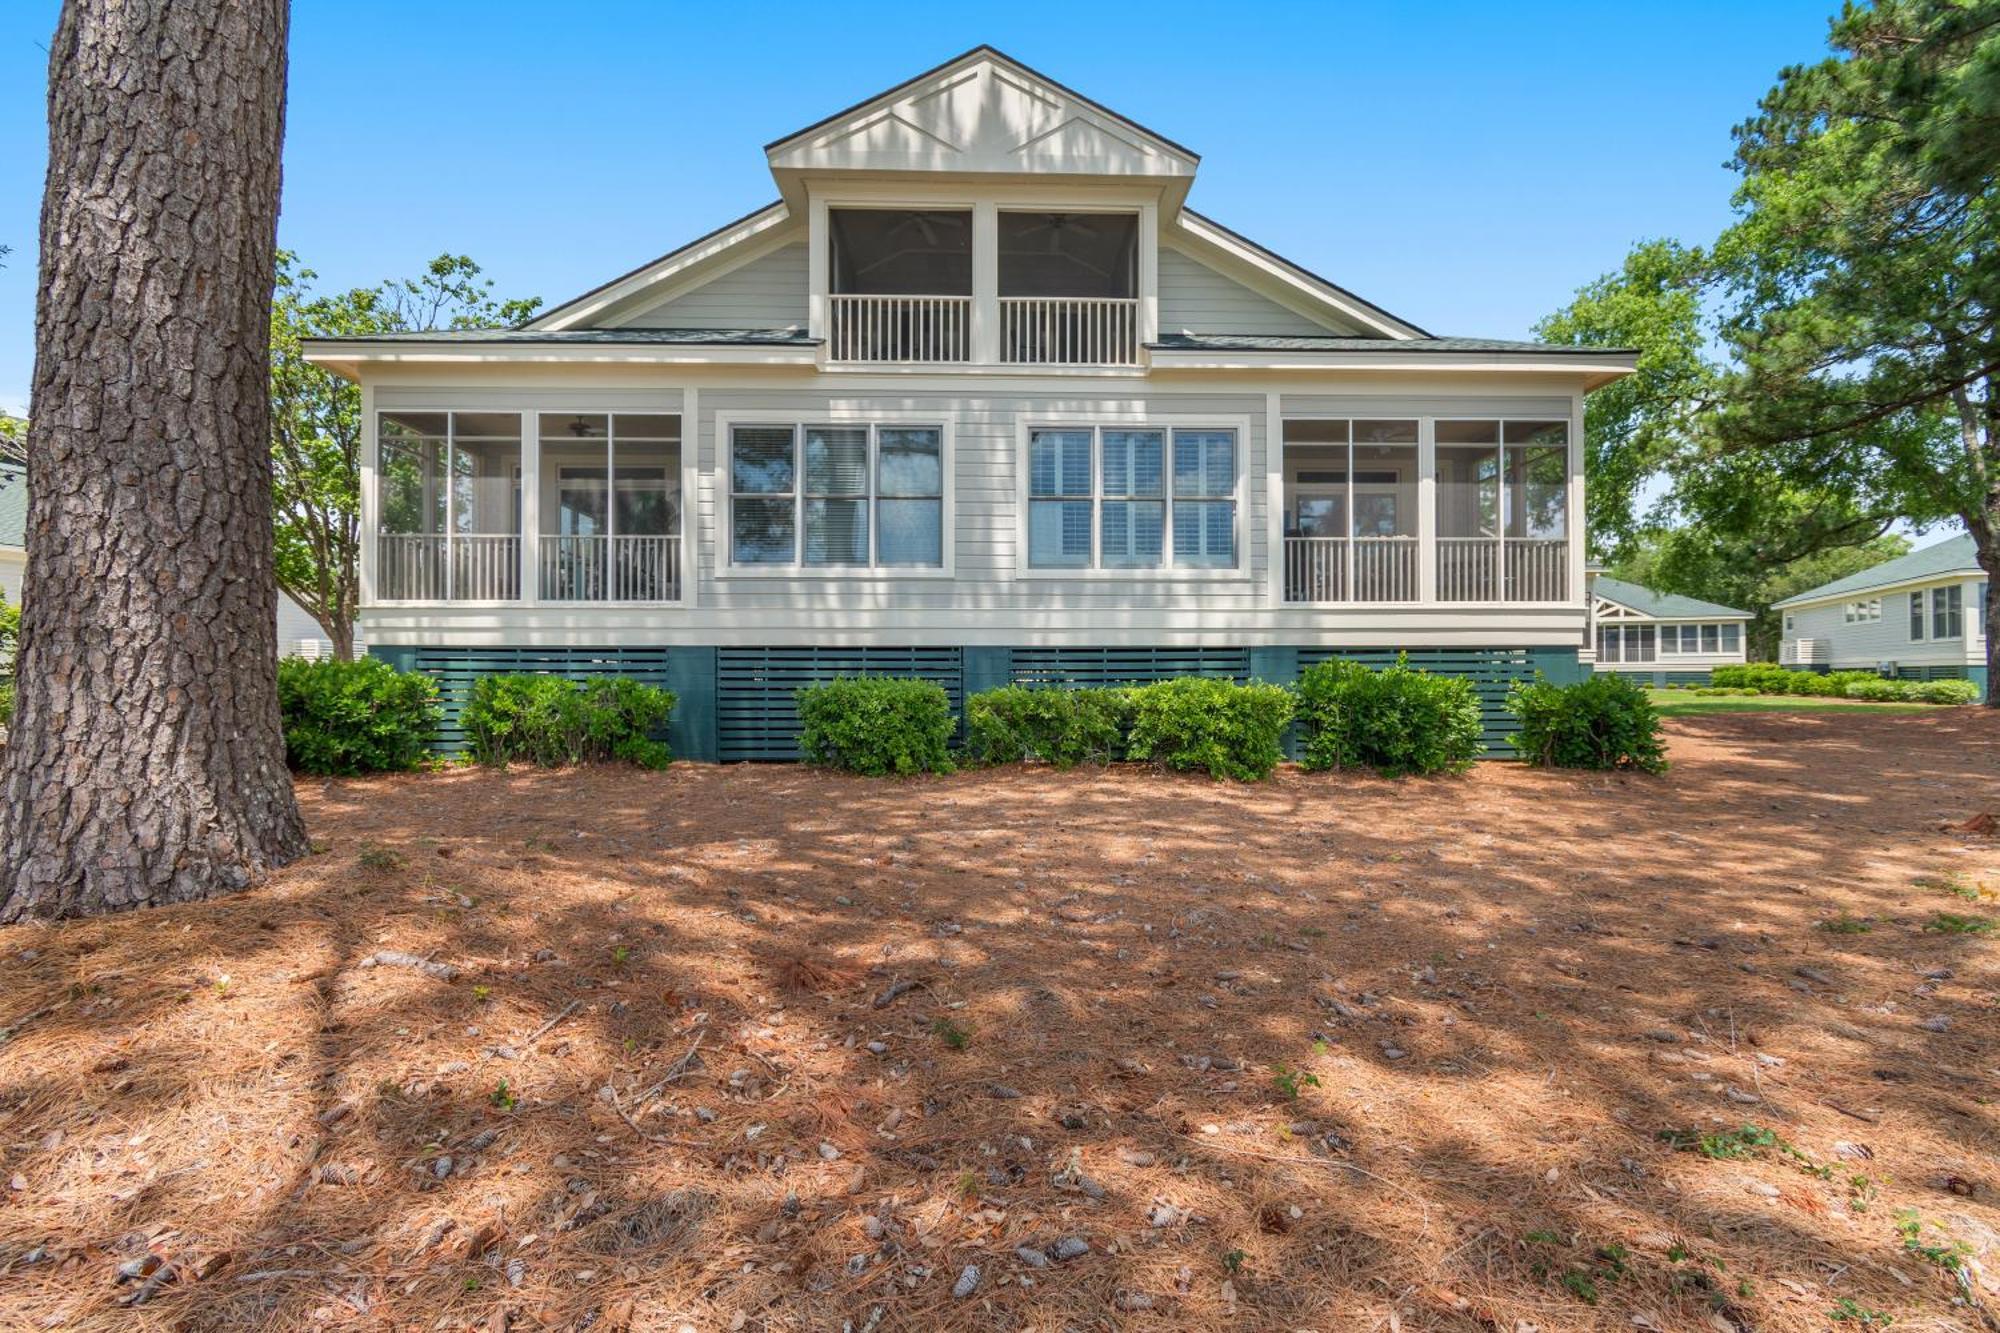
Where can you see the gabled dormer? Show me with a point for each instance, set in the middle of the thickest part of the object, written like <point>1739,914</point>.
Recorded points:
<point>980,214</point>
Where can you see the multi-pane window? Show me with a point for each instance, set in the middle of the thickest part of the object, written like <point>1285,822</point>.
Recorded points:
<point>448,495</point>
<point>1098,498</point>
<point>837,496</point>
<point>610,501</point>
<point>1863,612</point>
<point>1626,643</point>
<point>1948,612</point>
<point>1916,617</point>
<point>1725,637</point>
<point>1502,505</point>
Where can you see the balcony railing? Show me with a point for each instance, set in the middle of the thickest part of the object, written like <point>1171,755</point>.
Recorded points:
<point>1469,569</point>
<point>611,569</point>
<point>1382,569</point>
<point>899,328</point>
<point>431,567</point>
<point>1069,330</point>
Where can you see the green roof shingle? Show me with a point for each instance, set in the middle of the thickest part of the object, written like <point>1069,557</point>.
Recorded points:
<point>1661,605</point>
<point>13,505</point>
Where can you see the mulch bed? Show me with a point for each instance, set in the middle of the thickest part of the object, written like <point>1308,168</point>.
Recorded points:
<point>766,1048</point>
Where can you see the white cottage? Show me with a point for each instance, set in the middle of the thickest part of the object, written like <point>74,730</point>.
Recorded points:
<point>1917,616</point>
<point>978,398</point>
<point>1664,638</point>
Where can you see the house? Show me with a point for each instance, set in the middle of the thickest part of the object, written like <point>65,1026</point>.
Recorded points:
<point>13,530</point>
<point>1918,616</point>
<point>298,633</point>
<point>978,398</point>
<point>1664,638</point>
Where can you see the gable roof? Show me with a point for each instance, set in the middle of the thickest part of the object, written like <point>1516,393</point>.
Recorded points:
<point>13,505</point>
<point>1661,605</point>
<point>987,52</point>
<point>1955,555</point>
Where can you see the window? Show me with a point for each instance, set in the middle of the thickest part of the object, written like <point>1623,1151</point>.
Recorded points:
<point>610,507</point>
<point>1670,639</point>
<point>1098,497</point>
<point>1948,612</point>
<point>1858,613</point>
<point>1351,491</point>
<point>842,496</point>
<point>1916,617</point>
<point>1502,505</point>
<point>1626,643</point>
<point>1711,638</point>
<point>1732,638</point>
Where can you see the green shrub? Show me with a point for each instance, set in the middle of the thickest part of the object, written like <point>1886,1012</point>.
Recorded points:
<point>877,725</point>
<point>1060,727</point>
<point>1398,720</point>
<point>1195,724</point>
<point>1842,679</point>
<point>1946,692</point>
<point>6,703</point>
<point>364,716</point>
<point>1878,690</point>
<point>551,721</point>
<point>1603,722</point>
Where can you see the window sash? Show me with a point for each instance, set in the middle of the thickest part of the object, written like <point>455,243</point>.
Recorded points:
<point>1916,617</point>
<point>843,491</point>
<point>1116,497</point>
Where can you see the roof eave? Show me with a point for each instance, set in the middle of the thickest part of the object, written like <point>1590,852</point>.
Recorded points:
<point>1871,589</point>
<point>1596,370</point>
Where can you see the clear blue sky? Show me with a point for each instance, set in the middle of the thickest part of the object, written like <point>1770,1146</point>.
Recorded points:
<point>1463,163</point>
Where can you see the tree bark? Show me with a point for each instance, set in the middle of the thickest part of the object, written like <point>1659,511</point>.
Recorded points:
<point>146,764</point>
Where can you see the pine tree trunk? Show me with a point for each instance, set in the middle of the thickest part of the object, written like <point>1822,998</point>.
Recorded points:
<point>1989,560</point>
<point>145,764</point>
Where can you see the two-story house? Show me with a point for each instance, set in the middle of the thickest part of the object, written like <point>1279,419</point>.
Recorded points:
<point>977,398</point>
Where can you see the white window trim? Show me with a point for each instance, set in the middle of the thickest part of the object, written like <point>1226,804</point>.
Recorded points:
<point>1101,418</point>
<point>796,420</point>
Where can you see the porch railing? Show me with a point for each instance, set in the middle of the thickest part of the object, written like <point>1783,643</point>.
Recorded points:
<point>899,328</point>
<point>433,567</point>
<point>611,569</point>
<point>1469,569</point>
<point>1069,330</point>
<point>1383,569</point>
<point>1537,570</point>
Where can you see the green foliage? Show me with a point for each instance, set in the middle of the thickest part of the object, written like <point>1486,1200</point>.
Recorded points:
<point>1847,1310</point>
<point>1397,720</point>
<point>951,1034</point>
<point>363,716</point>
<point>1949,1255</point>
<point>877,725</point>
<point>1606,721</point>
<point>1729,1145</point>
<point>1060,727</point>
<point>1955,923</point>
<point>1195,724</point>
<point>1288,1082</point>
<point>1764,678</point>
<point>1844,925</point>
<point>551,721</point>
<point>316,424</point>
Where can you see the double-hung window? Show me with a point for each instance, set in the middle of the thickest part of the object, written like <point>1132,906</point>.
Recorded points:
<point>839,496</point>
<point>1948,612</point>
<point>1916,617</point>
<point>1132,497</point>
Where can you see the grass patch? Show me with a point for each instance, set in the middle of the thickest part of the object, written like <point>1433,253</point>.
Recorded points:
<point>1955,923</point>
<point>1680,703</point>
<point>1844,925</point>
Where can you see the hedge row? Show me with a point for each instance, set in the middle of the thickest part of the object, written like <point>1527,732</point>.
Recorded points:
<point>1397,721</point>
<point>1766,678</point>
<point>364,716</point>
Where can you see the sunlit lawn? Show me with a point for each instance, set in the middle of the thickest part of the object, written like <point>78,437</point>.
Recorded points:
<point>1683,703</point>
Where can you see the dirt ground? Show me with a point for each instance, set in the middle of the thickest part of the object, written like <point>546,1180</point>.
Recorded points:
<point>765,1048</point>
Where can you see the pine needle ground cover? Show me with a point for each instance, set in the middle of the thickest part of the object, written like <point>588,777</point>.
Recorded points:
<point>773,1048</point>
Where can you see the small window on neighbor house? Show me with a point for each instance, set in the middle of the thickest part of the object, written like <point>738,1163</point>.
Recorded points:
<point>1711,638</point>
<point>1916,617</point>
<point>1608,640</point>
<point>1670,640</point>
<point>1948,612</point>
<point>1732,638</point>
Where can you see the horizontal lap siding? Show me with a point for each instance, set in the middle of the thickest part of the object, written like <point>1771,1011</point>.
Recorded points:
<point>766,293</point>
<point>1196,299</point>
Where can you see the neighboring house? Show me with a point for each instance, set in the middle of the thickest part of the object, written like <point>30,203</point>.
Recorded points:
<point>298,633</point>
<point>1917,616</point>
<point>1664,637</point>
<point>13,530</point>
<point>979,399</point>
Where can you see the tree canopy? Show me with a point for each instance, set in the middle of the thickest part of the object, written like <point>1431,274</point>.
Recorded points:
<point>316,426</point>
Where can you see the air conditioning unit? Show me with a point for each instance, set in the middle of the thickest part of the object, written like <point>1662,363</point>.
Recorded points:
<point>1886,670</point>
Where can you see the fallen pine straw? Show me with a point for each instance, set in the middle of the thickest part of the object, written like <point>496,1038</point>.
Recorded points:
<point>1438,1027</point>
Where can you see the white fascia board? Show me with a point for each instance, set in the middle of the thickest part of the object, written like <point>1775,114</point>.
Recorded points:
<point>663,270</point>
<point>1293,281</point>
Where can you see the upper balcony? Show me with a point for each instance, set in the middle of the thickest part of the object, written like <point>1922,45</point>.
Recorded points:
<point>905,287</point>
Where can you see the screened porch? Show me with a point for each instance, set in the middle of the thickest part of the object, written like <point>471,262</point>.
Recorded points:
<point>510,507</point>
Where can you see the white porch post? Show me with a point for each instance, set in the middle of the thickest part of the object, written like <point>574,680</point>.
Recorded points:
<point>1274,496</point>
<point>1427,518</point>
<point>986,283</point>
<point>531,507</point>
<point>1149,273</point>
<point>1575,529</point>
<point>371,508</point>
<point>818,270</point>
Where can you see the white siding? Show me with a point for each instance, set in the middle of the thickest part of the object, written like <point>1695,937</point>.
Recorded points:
<point>1860,646</point>
<point>1196,299</point>
<point>766,293</point>
<point>986,601</point>
<point>13,567</point>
